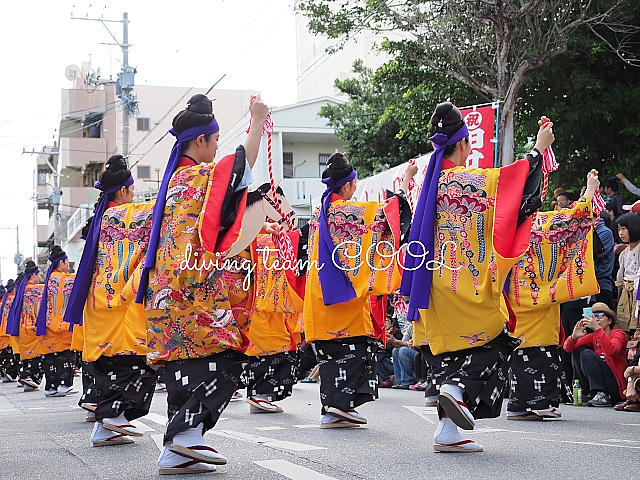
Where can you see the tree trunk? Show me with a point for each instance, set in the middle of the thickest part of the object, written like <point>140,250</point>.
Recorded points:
<point>506,133</point>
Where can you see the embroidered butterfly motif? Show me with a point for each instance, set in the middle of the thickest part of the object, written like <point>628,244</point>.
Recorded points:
<point>475,338</point>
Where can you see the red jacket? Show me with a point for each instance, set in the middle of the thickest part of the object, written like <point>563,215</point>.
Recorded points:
<point>614,347</point>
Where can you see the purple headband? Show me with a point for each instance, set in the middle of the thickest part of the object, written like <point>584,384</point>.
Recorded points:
<point>158,208</point>
<point>84,275</point>
<point>336,286</point>
<point>4,301</point>
<point>416,279</point>
<point>13,322</point>
<point>41,322</point>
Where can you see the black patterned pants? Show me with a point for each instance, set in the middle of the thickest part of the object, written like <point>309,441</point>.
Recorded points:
<point>58,369</point>
<point>9,363</point>
<point>272,375</point>
<point>124,385</point>
<point>199,389</point>
<point>348,372</point>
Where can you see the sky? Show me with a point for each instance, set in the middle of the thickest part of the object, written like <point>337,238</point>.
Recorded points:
<point>180,43</point>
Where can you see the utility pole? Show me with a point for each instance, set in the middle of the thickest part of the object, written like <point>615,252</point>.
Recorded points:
<point>54,199</point>
<point>17,259</point>
<point>126,78</point>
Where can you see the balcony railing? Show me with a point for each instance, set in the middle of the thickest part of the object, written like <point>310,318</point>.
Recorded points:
<point>300,190</point>
<point>77,220</point>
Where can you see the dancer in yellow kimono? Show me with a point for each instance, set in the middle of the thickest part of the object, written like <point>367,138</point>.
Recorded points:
<point>197,304</point>
<point>276,323</point>
<point>557,267</point>
<point>353,251</point>
<point>103,301</point>
<point>9,352</point>
<point>22,324</point>
<point>470,227</point>
<point>58,360</point>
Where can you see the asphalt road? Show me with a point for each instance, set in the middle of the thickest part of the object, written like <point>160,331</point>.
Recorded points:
<point>47,438</point>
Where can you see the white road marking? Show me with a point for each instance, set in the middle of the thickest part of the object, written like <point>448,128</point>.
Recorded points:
<point>154,417</point>
<point>158,440</point>
<point>292,471</point>
<point>582,443</point>
<point>629,424</point>
<point>308,425</point>
<point>269,442</point>
<point>269,428</point>
<point>622,440</point>
<point>7,406</point>
<point>36,408</point>
<point>431,415</point>
<point>143,427</point>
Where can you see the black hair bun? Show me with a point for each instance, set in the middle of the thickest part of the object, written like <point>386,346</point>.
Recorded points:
<point>56,253</point>
<point>30,267</point>
<point>200,103</point>
<point>116,163</point>
<point>10,283</point>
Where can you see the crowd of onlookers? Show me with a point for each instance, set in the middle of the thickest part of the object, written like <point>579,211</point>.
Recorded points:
<point>606,365</point>
<point>600,349</point>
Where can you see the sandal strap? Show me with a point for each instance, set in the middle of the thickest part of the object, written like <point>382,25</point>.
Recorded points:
<point>186,464</point>
<point>203,447</point>
<point>463,442</point>
<point>115,436</point>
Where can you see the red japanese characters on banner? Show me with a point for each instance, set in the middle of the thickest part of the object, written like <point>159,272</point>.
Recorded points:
<point>480,122</point>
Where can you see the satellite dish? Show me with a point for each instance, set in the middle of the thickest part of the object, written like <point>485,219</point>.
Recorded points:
<point>72,72</point>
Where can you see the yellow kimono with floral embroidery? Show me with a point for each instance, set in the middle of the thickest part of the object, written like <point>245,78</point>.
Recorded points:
<point>369,237</point>
<point>557,267</point>
<point>477,241</point>
<point>30,345</point>
<point>5,338</point>
<point>277,315</point>
<point>113,323</point>
<point>198,303</point>
<point>58,336</point>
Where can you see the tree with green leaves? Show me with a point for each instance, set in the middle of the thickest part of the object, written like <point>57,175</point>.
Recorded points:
<point>491,46</point>
<point>385,122</point>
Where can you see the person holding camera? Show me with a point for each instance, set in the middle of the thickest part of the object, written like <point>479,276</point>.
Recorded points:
<point>599,356</point>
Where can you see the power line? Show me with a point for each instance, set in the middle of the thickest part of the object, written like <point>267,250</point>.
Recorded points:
<point>59,114</point>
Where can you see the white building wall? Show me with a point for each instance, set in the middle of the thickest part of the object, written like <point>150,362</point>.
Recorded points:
<point>318,70</point>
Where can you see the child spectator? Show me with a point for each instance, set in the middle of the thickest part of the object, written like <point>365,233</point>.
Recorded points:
<point>629,260</point>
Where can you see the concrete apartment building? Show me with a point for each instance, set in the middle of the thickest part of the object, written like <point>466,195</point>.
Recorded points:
<point>91,131</point>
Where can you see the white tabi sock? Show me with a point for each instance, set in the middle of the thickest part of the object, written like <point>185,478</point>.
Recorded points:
<point>190,437</point>
<point>119,420</point>
<point>168,459</point>
<point>454,391</point>
<point>447,434</point>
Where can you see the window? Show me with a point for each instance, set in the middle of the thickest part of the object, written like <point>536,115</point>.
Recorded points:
<point>287,164</point>
<point>91,174</point>
<point>92,125</point>
<point>323,158</point>
<point>144,171</point>
<point>143,123</point>
<point>42,176</point>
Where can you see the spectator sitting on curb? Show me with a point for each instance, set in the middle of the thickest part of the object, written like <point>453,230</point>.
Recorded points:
<point>599,358</point>
<point>403,359</point>
<point>385,367</point>
<point>632,374</point>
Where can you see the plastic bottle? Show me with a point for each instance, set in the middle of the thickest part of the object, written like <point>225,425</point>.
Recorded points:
<point>577,393</point>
